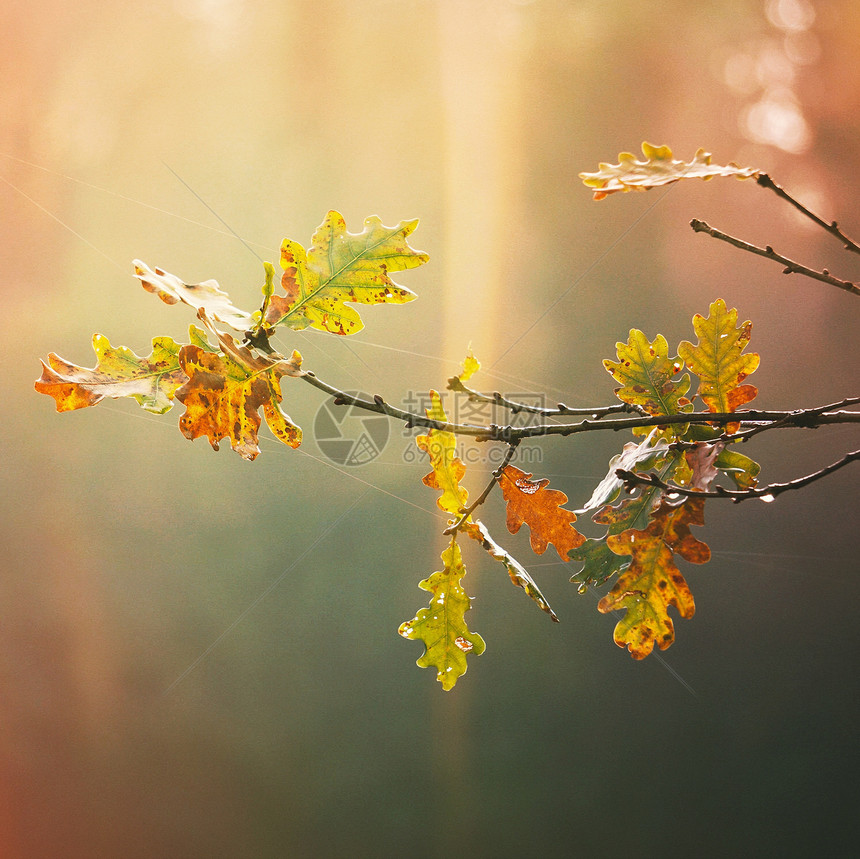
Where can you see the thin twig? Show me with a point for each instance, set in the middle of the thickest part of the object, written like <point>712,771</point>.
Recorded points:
<point>560,410</point>
<point>832,227</point>
<point>791,267</point>
<point>768,493</point>
<point>497,474</point>
<point>751,418</point>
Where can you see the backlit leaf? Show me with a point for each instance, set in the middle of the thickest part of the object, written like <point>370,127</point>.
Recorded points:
<point>442,625</point>
<point>447,472</point>
<point>470,365</point>
<point>206,296</point>
<point>518,573</point>
<point>599,562</point>
<point>448,469</point>
<point>152,381</point>
<point>224,393</point>
<point>718,359</point>
<point>702,459</point>
<point>650,453</point>
<point>342,267</point>
<point>739,467</point>
<point>653,582</point>
<point>531,502</point>
<point>646,373</point>
<point>658,168</point>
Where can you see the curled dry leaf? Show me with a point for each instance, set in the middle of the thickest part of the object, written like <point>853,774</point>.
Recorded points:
<point>119,372</point>
<point>206,296</point>
<point>658,168</point>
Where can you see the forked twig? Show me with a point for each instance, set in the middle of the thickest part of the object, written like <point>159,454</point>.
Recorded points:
<point>766,493</point>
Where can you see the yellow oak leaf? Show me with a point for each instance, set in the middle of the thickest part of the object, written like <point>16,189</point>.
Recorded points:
<point>448,468</point>
<point>342,267</point>
<point>470,366</point>
<point>646,373</point>
<point>719,361</point>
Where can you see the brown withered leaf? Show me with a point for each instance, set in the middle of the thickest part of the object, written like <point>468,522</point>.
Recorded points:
<point>531,503</point>
<point>700,459</point>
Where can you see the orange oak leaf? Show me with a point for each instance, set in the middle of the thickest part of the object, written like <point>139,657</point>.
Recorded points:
<point>224,393</point>
<point>531,503</point>
<point>653,582</point>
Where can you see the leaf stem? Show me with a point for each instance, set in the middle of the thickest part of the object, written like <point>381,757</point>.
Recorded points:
<point>832,227</point>
<point>497,474</point>
<point>791,267</point>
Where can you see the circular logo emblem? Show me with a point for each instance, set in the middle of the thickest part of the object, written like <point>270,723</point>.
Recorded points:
<point>348,435</point>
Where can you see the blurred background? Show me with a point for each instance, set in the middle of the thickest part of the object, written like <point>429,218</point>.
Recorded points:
<point>198,655</point>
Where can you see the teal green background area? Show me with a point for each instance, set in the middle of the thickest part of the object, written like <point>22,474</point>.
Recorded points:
<point>199,655</point>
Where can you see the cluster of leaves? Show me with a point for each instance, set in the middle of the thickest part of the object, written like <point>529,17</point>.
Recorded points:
<point>645,532</point>
<point>667,471</point>
<point>442,626</point>
<point>224,386</point>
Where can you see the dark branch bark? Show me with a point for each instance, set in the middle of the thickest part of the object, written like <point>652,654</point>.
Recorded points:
<point>832,227</point>
<point>560,410</point>
<point>791,267</point>
<point>807,418</point>
<point>467,512</point>
<point>767,493</point>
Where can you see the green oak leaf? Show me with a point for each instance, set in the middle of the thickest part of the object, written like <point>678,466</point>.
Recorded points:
<point>646,373</point>
<point>442,625</point>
